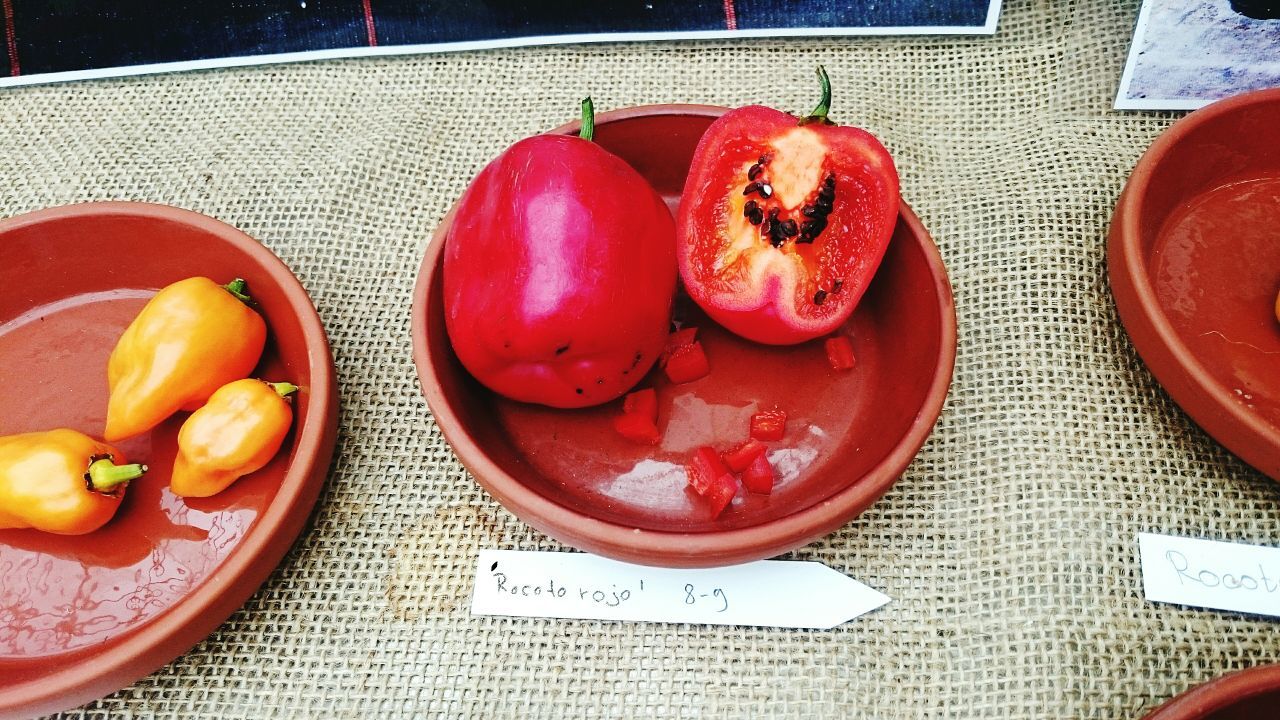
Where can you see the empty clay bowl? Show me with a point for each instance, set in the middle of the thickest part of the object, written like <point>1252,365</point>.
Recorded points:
<point>1252,694</point>
<point>1194,261</point>
<point>83,616</point>
<point>849,435</point>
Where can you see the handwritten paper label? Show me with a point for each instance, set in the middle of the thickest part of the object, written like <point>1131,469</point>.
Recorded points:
<point>575,585</point>
<point>1210,574</point>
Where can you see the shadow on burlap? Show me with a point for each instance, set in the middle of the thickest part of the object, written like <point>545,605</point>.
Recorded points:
<point>1008,547</point>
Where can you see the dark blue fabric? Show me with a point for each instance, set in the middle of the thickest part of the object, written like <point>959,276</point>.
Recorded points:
<point>62,35</point>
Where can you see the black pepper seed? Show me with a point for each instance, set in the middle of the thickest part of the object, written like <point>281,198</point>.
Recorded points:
<point>819,296</point>
<point>808,211</point>
<point>755,171</point>
<point>578,390</point>
<point>815,226</point>
<point>751,207</point>
<point>750,188</point>
<point>830,181</point>
<point>789,228</point>
<point>756,217</point>
<point>766,190</point>
<point>825,206</point>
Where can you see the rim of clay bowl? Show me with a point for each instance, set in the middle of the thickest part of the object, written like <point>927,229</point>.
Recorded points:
<point>1219,694</point>
<point>1220,416</point>
<point>688,549</point>
<point>197,615</point>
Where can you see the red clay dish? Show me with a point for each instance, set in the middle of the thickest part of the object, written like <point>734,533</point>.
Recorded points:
<point>849,434</point>
<point>1195,267</point>
<point>1252,694</point>
<point>83,616</point>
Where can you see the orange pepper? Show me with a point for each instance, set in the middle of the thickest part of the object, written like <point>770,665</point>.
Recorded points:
<point>236,433</point>
<point>192,338</point>
<point>60,481</point>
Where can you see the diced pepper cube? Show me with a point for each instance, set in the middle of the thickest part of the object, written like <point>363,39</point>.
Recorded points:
<point>769,425</point>
<point>687,363</point>
<point>840,353</point>
<point>721,493</point>
<point>739,458</point>
<point>758,477</point>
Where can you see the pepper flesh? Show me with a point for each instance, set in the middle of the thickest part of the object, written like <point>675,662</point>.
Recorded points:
<point>60,481</point>
<point>236,433</point>
<point>192,338</point>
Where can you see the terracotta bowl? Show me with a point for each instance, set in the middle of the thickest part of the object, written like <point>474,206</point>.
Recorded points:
<point>1195,268</point>
<point>83,616</point>
<point>1252,694</point>
<point>850,435</point>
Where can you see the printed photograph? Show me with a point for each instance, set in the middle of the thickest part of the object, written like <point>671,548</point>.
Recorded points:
<point>50,40</point>
<point>1188,53</point>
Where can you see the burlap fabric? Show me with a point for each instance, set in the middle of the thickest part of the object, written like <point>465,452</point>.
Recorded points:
<point>1008,547</point>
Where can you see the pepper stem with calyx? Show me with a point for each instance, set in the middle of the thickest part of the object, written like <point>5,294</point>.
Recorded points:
<point>238,287</point>
<point>105,476</point>
<point>588,130</point>
<point>283,389</point>
<point>819,114</point>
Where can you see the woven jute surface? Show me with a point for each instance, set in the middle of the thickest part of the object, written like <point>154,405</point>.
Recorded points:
<point>1009,545</point>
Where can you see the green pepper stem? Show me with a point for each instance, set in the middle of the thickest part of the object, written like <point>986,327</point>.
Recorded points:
<point>819,114</point>
<point>588,130</point>
<point>237,287</point>
<point>284,389</point>
<point>105,475</point>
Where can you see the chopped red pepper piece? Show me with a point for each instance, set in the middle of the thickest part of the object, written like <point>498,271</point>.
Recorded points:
<point>840,353</point>
<point>637,428</point>
<point>759,475</point>
<point>710,478</point>
<point>721,494</point>
<point>642,402</point>
<point>710,459</point>
<point>702,473</point>
<point>769,425</point>
<point>677,339</point>
<point>687,363</point>
<point>740,457</point>
<point>639,419</point>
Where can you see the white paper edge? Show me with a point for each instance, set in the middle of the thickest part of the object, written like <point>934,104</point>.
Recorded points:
<point>1123,101</point>
<point>989,28</point>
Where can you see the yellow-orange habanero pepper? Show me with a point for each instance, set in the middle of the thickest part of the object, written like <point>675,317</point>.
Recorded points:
<point>192,338</point>
<point>237,432</point>
<point>60,481</point>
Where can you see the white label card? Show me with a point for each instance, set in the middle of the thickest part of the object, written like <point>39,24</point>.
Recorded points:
<point>769,593</point>
<point>1211,574</point>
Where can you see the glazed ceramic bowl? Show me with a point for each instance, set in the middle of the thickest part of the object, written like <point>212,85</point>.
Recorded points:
<point>1195,268</point>
<point>1252,694</point>
<point>83,616</point>
<point>850,435</point>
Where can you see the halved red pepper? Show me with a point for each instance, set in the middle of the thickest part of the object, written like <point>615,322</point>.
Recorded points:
<point>784,220</point>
